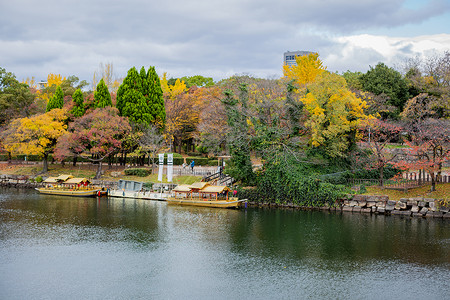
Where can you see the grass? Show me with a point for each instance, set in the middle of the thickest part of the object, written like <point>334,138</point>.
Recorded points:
<point>442,192</point>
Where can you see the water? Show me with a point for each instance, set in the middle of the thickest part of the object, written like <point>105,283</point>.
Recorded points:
<point>82,248</point>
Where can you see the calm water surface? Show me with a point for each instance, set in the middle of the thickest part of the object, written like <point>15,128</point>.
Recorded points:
<point>82,248</point>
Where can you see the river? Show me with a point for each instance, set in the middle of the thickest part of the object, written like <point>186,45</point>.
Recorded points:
<point>86,248</point>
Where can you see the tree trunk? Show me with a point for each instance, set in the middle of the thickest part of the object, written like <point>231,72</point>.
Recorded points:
<point>74,161</point>
<point>45,163</point>
<point>99,170</point>
<point>433,182</point>
<point>381,173</point>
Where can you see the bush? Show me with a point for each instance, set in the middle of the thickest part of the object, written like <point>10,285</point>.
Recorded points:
<point>138,172</point>
<point>39,179</point>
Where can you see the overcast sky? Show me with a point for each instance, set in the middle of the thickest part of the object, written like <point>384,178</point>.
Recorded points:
<point>214,38</point>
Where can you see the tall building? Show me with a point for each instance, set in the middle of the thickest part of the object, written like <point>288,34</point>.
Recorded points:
<point>289,57</point>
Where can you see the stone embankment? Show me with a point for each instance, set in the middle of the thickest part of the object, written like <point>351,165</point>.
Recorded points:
<point>409,207</point>
<point>379,205</point>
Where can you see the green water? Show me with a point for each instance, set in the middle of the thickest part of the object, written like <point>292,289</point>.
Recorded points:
<point>83,248</point>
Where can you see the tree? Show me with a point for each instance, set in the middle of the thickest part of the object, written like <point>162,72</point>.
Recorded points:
<point>79,108</point>
<point>94,136</point>
<point>240,166</point>
<point>430,145</point>
<point>334,114</point>
<point>377,134</point>
<point>57,101</point>
<point>307,69</point>
<point>385,80</point>
<point>140,98</point>
<point>151,141</point>
<point>198,81</point>
<point>102,97</point>
<point>155,98</point>
<point>16,98</point>
<point>36,135</point>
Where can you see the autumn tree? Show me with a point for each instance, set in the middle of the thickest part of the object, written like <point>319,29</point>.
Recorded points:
<point>94,136</point>
<point>212,125</point>
<point>376,136</point>
<point>334,114</point>
<point>57,101</point>
<point>429,146</point>
<point>307,69</point>
<point>102,97</point>
<point>151,141</point>
<point>36,135</point>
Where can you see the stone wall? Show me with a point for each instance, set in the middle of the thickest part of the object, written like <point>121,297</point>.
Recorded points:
<point>410,207</point>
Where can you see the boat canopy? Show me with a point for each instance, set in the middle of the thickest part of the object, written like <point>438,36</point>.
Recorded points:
<point>201,187</point>
<point>76,180</point>
<point>183,188</point>
<point>50,180</point>
<point>215,189</point>
<point>63,177</point>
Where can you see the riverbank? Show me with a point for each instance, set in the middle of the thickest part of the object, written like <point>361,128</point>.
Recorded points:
<point>379,205</point>
<point>367,204</point>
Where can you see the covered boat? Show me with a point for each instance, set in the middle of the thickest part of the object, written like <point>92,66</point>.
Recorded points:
<point>67,185</point>
<point>204,194</point>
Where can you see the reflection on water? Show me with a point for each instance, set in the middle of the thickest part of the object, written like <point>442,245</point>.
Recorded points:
<point>62,247</point>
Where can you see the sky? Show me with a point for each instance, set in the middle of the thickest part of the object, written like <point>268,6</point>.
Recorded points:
<point>215,38</point>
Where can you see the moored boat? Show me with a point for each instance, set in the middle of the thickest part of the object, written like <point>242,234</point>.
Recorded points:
<point>67,185</point>
<point>204,194</point>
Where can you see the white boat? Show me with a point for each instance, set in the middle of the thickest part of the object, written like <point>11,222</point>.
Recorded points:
<point>135,189</point>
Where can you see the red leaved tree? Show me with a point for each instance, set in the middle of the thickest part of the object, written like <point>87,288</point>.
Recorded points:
<point>430,146</point>
<point>94,136</point>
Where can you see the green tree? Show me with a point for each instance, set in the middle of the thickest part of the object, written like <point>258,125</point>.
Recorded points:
<point>79,108</point>
<point>155,98</point>
<point>385,80</point>
<point>16,98</point>
<point>140,97</point>
<point>240,166</point>
<point>102,97</point>
<point>198,81</point>
<point>57,101</point>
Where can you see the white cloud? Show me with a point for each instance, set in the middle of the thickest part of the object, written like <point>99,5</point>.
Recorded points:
<point>357,52</point>
<point>213,38</point>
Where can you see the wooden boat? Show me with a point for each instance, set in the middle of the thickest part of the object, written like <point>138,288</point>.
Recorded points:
<point>204,194</point>
<point>67,185</point>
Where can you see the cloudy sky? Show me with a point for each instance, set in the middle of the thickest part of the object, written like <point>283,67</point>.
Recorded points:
<point>214,38</point>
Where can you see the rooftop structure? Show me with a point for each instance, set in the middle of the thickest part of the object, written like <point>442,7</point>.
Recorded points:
<point>289,57</point>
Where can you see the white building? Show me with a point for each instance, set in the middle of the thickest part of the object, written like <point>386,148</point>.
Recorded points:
<point>289,57</point>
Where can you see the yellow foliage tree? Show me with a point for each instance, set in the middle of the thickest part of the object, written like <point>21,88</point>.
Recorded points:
<point>36,135</point>
<point>334,113</point>
<point>54,79</point>
<point>307,69</point>
<point>172,91</point>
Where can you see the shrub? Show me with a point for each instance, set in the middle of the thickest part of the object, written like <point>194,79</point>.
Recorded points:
<point>138,172</point>
<point>39,179</point>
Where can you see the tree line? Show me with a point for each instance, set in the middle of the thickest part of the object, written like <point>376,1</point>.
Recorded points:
<point>300,128</point>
